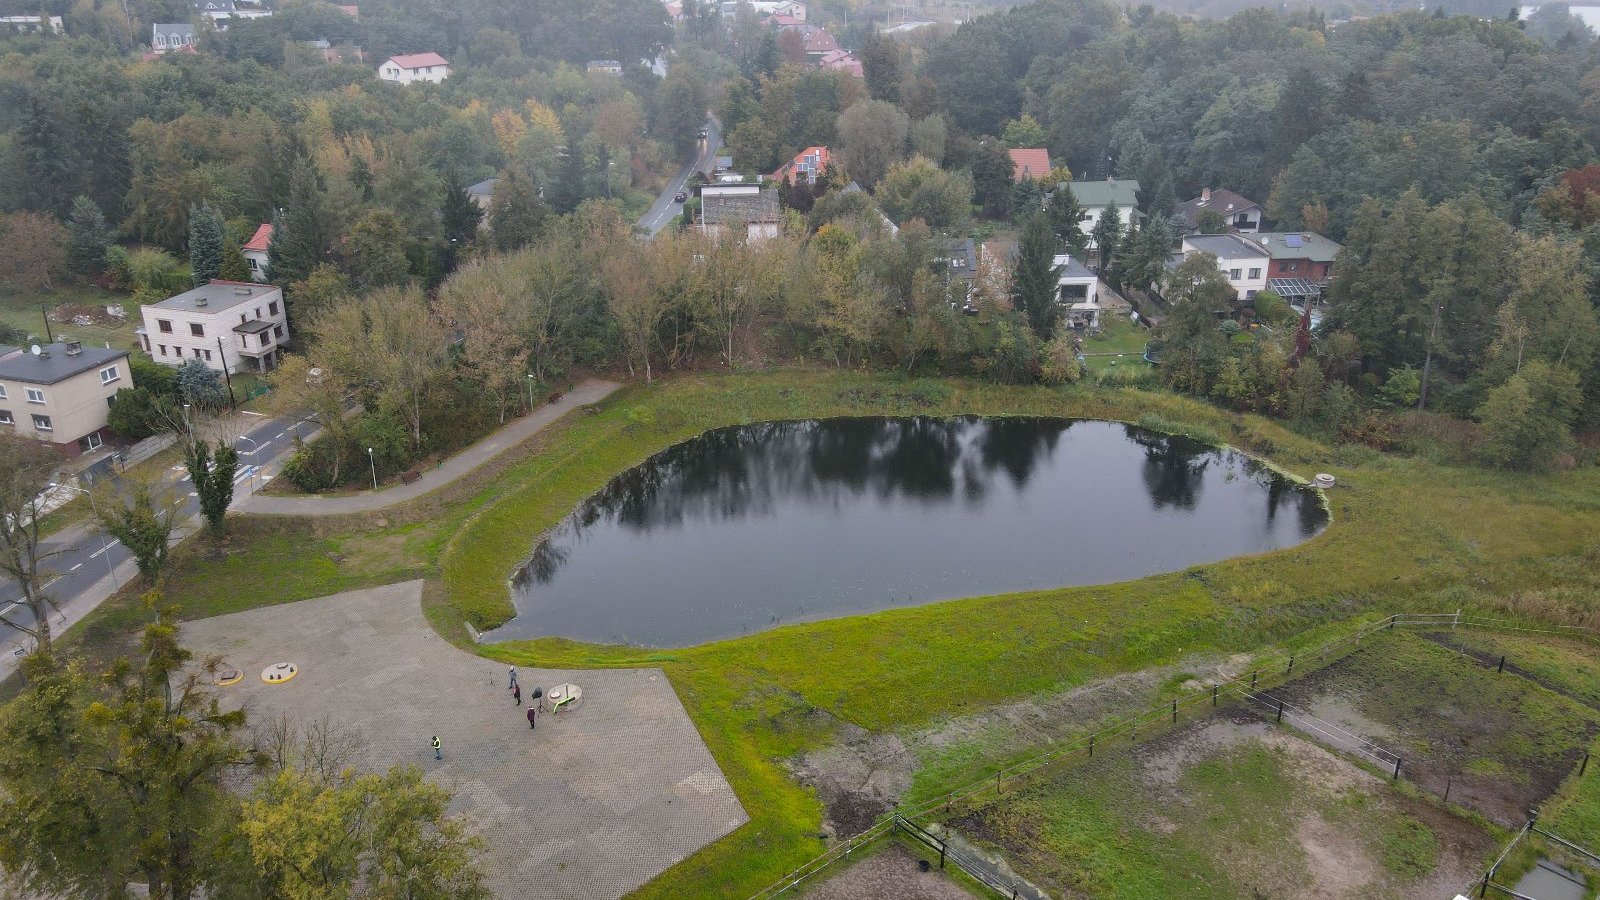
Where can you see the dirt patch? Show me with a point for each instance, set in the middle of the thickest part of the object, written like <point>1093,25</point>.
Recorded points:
<point>1336,860</point>
<point>81,314</point>
<point>1164,760</point>
<point>859,777</point>
<point>889,874</point>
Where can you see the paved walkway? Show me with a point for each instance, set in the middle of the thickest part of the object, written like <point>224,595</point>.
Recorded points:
<point>591,804</point>
<point>457,466</point>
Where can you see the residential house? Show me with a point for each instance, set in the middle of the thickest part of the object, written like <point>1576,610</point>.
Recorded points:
<point>255,252</point>
<point>1094,196</point>
<point>744,210</point>
<point>1301,264</point>
<point>1033,162</point>
<point>60,393</point>
<point>1243,261</point>
<point>165,38</point>
<point>842,61</point>
<point>807,166</point>
<point>1078,293</point>
<point>38,23</point>
<point>816,41</point>
<point>221,12</point>
<point>605,66</point>
<point>764,8</point>
<point>482,194</point>
<point>958,266</point>
<point>332,54</point>
<point>721,164</point>
<point>1238,213</point>
<point>409,68</point>
<point>231,326</point>
<point>674,10</point>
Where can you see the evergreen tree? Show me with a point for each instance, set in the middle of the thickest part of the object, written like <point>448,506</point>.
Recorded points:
<point>461,217</point>
<point>234,266</point>
<point>1034,276</point>
<point>1145,260</point>
<point>1066,218</point>
<point>516,214</point>
<point>44,157</point>
<point>212,475</point>
<point>88,237</point>
<point>991,178</point>
<point>1107,235</point>
<point>1026,198</point>
<point>567,192</point>
<point>205,244</point>
<point>300,232</point>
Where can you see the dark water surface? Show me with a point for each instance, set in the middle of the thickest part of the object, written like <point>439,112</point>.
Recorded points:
<point>749,527</point>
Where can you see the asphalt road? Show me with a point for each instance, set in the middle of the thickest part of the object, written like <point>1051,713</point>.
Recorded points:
<point>665,209</point>
<point>94,555</point>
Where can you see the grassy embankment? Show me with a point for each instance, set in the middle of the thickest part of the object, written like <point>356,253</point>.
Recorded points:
<point>1406,534</point>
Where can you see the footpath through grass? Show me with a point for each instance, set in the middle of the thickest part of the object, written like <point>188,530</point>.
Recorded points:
<point>1405,535</point>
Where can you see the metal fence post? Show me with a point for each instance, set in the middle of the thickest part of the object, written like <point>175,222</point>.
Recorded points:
<point>1214,694</point>
<point>1091,746</point>
<point>942,845</point>
<point>1449,780</point>
<point>1583,765</point>
<point>1291,665</point>
<point>1483,890</point>
<point>1252,681</point>
<point>1174,712</point>
<point>1280,710</point>
<point>1502,667</point>
<point>1392,619</point>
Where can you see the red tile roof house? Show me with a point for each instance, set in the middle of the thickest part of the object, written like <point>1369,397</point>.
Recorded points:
<point>408,68</point>
<point>842,61</point>
<point>817,42</point>
<point>806,166</point>
<point>1029,163</point>
<point>255,252</point>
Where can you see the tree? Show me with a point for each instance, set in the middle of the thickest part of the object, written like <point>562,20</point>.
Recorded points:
<point>928,137</point>
<point>1035,276</point>
<point>26,469</point>
<point>1107,237</point>
<point>484,300</point>
<point>376,250</point>
<point>33,251</point>
<point>680,107</point>
<point>300,232</point>
<point>212,473</point>
<point>1023,133</point>
<point>234,265</point>
<point>461,216</point>
<point>88,237</point>
<point>389,344</point>
<point>323,288</point>
<point>1209,221</point>
<point>991,178</point>
<point>205,244</point>
<point>200,386</point>
<point>730,284</point>
<point>1527,421</point>
<point>871,138</point>
<point>882,67</point>
<point>1066,217</point>
<point>138,413</point>
<point>142,517</point>
<point>918,189</point>
<point>44,155</point>
<point>635,295</point>
<point>1144,262</point>
<point>516,214</point>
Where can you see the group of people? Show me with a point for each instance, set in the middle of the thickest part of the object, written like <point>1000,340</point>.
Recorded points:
<point>534,705</point>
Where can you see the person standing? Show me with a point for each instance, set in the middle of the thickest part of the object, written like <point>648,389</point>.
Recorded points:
<point>513,676</point>
<point>516,695</point>
<point>437,752</point>
<point>532,714</point>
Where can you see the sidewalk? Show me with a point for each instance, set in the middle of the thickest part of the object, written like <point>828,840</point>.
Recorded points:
<point>457,466</point>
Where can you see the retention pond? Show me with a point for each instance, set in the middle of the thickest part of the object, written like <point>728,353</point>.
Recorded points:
<point>753,526</point>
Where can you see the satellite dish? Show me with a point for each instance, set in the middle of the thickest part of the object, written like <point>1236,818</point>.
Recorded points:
<point>35,350</point>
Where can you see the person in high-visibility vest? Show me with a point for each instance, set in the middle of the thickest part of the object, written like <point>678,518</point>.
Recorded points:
<point>437,753</point>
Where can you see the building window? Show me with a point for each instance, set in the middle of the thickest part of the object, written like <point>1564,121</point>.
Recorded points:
<point>164,325</point>
<point>2,392</point>
<point>109,374</point>
<point>196,329</point>
<point>1255,273</point>
<point>42,423</point>
<point>163,349</point>
<point>35,395</point>
<point>242,319</point>
<point>1233,274</point>
<point>272,308</point>
<point>277,332</point>
<point>6,417</point>
<point>258,312</point>
<point>253,264</point>
<point>208,356</point>
<point>91,441</point>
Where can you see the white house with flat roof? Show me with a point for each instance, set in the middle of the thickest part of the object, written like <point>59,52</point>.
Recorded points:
<point>231,326</point>
<point>61,393</point>
<point>1244,262</point>
<point>1078,293</point>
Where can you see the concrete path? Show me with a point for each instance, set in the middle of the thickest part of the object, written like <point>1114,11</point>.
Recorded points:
<point>591,804</point>
<point>590,391</point>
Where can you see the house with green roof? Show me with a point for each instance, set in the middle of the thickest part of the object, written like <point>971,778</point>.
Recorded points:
<point>1094,196</point>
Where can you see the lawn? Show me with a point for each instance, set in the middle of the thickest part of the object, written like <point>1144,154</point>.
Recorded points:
<point>1406,534</point>
<point>26,311</point>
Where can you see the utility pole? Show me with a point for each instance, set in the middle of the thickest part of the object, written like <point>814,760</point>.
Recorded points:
<point>233,403</point>
<point>1427,364</point>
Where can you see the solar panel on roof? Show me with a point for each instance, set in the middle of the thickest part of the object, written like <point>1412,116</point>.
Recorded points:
<point>1292,240</point>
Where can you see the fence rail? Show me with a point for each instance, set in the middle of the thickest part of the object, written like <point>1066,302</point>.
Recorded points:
<point>1274,669</point>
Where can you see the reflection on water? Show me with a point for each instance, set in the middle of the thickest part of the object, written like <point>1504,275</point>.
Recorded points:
<point>748,527</point>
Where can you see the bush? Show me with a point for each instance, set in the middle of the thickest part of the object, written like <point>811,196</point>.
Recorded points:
<point>200,385</point>
<point>159,380</point>
<point>137,413</point>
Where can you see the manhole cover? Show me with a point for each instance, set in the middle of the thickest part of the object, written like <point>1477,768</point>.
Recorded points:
<point>229,675</point>
<point>279,673</point>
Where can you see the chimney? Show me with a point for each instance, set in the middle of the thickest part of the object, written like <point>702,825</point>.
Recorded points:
<point>74,347</point>
<point>1205,195</point>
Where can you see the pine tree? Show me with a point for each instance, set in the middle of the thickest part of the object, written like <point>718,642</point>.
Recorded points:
<point>88,237</point>
<point>44,155</point>
<point>1107,242</point>
<point>516,214</point>
<point>205,243</point>
<point>300,232</point>
<point>1034,276</point>
<point>460,216</point>
<point>1066,218</point>
<point>211,473</point>
<point>234,266</point>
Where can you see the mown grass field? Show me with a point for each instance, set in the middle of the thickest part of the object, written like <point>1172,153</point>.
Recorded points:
<point>1406,534</point>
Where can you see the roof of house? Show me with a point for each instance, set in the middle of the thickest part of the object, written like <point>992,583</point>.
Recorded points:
<point>1298,245</point>
<point>604,63</point>
<point>760,207</point>
<point>818,40</point>
<point>18,364</point>
<point>350,10</point>
<point>822,157</point>
<point>217,296</point>
<point>483,188</point>
<point>261,240</point>
<point>1111,192</point>
<point>1071,269</point>
<point>843,61</point>
<point>1223,246</point>
<point>1029,162</point>
<point>209,6</point>
<point>418,60</point>
<point>783,20</point>
<point>1220,199</point>
<point>961,258</point>
<point>178,28</point>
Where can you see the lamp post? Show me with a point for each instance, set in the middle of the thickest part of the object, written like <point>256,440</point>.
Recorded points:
<point>374,465</point>
<point>530,392</point>
<point>103,545</point>
<point>253,448</point>
<point>188,424</point>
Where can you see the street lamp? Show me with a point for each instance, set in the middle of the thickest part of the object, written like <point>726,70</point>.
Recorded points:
<point>530,391</point>
<point>253,448</point>
<point>374,468</point>
<point>103,545</point>
<point>188,425</point>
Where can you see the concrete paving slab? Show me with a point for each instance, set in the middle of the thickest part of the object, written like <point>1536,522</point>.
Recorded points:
<point>591,804</point>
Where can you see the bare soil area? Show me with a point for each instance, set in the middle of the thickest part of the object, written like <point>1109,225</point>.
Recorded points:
<point>888,874</point>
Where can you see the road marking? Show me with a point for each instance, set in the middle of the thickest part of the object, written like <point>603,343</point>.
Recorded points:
<point>76,567</point>
<point>244,473</point>
<point>11,609</point>
<point>104,549</point>
<point>282,433</point>
<point>256,414</point>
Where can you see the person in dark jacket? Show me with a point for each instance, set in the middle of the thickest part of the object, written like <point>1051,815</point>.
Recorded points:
<point>516,695</point>
<point>532,713</point>
<point>437,753</point>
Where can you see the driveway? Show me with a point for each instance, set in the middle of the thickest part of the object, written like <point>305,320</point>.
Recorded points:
<point>665,209</point>
<point>591,804</point>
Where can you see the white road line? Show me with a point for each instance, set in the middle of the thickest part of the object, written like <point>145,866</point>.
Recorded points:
<point>10,609</point>
<point>104,549</point>
<point>76,567</point>
<point>256,414</point>
<point>282,433</point>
